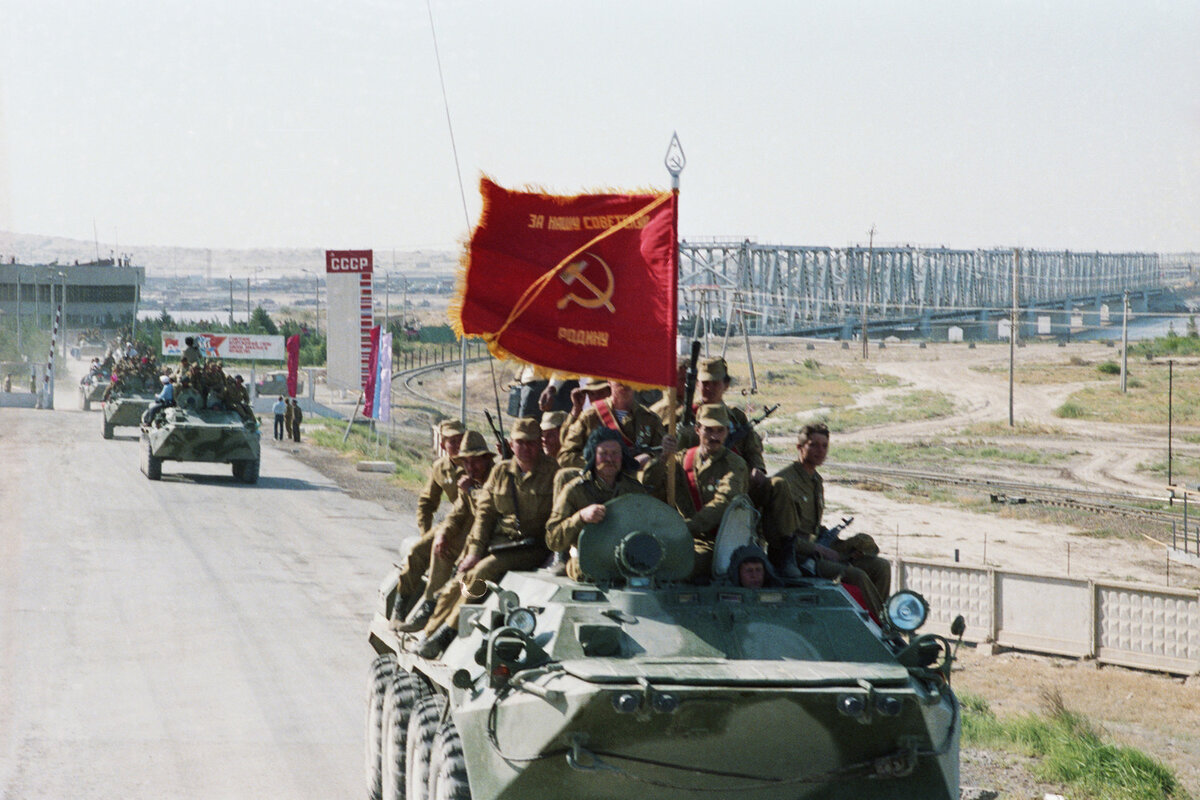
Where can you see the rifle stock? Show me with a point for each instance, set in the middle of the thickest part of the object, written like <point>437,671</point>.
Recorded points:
<point>689,390</point>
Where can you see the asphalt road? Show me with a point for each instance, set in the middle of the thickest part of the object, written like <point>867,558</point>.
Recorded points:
<point>190,638</point>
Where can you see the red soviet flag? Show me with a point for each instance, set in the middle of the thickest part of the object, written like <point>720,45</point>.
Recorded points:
<point>583,285</point>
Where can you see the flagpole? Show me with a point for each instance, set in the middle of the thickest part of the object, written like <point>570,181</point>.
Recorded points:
<point>674,161</point>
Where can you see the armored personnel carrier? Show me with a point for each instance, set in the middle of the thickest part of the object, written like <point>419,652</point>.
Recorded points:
<point>190,432</point>
<point>127,401</point>
<point>641,684</point>
<point>91,390</point>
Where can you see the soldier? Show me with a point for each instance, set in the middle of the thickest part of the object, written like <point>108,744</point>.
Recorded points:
<point>289,412</point>
<point>707,479</point>
<point>714,380</point>
<point>552,426</point>
<point>297,417</point>
<point>439,551</point>
<point>443,475</point>
<point>191,352</point>
<point>750,569</point>
<point>640,428</point>
<point>609,472</point>
<point>509,531</point>
<point>792,523</point>
<point>589,391</point>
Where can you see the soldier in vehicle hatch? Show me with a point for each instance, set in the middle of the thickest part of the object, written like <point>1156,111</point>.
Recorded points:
<point>443,475</point>
<point>707,479</point>
<point>509,531</point>
<point>438,552</point>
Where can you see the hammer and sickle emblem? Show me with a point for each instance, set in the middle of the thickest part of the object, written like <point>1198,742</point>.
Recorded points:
<point>573,273</point>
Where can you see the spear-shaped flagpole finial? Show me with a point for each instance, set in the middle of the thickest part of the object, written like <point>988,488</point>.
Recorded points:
<point>675,160</point>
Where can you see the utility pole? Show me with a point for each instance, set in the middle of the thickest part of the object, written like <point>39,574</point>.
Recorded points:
<point>231,301</point>
<point>1170,417</point>
<point>1012,338</point>
<point>1125,346</point>
<point>867,286</point>
<point>247,304</point>
<point>19,351</point>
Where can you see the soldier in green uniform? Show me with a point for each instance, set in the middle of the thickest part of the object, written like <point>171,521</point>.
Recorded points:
<point>509,531</point>
<point>552,425</point>
<point>609,472</point>
<point>191,353</point>
<point>443,476</point>
<point>794,504</point>
<point>640,428</point>
<point>289,413</point>
<point>714,380</point>
<point>440,549</point>
<point>707,478</point>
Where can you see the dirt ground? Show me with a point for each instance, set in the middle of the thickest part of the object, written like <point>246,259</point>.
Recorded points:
<point>1154,713</point>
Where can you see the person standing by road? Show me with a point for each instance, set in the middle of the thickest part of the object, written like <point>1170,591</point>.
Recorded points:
<point>280,411</point>
<point>297,415</point>
<point>289,412</point>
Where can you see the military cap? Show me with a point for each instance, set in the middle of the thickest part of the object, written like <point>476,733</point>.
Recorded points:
<point>451,427</point>
<point>553,420</point>
<point>525,429</point>
<point>712,415</point>
<point>713,369</point>
<point>473,445</point>
<point>593,384</point>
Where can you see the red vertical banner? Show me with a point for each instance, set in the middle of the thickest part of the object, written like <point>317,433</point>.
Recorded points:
<point>293,363</point>
<point>369,381</point>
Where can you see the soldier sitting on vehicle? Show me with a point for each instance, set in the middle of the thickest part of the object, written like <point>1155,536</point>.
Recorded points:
<point>552,426</point>
<point>439,552</point>
<point>609,472</point>
<point>443,475</point>
<point>640,428</point>
<point>509,531</point>
<point>166,397</point>
<point>707,479</point>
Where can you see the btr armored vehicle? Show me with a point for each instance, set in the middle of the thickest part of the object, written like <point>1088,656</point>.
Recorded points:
<point>91,390</point>
<point>642,684</point>
<point>188,431</point>
<point>127,401</point>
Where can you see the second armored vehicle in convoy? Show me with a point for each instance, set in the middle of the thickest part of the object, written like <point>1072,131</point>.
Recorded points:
<point>188,431</point>
<point>126,402</point>
<point>639,683</point>
<point>91,390</point>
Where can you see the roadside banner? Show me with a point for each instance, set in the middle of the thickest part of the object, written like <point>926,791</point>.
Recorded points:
<point>293,363</point>
<point>370,382</point>
<point>383,378</point>
<point>250,347</point>
<point>581,285</point>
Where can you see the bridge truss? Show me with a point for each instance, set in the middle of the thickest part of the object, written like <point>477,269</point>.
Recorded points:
<point>780,289</point>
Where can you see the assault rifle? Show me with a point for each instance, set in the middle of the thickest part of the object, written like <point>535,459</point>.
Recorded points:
<point>742,431</point>
<point>828,536</point>
<point>501,443</point>
<point>689,388</point>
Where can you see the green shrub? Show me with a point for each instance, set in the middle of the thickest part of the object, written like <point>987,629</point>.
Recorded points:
<point>1109,368</point>
<point>1070,410</point>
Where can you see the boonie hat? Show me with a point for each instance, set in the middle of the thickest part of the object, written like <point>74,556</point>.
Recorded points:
<point>473,445</point>
<point>525,429</point>
<point>712,415</point>
<point>553,420</point>
<point>713,369</point>
<point>593,384</point>
<point>451,427</point>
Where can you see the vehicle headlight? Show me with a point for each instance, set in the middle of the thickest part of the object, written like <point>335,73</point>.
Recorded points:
<point>907,610</point>
<point>522,619</point>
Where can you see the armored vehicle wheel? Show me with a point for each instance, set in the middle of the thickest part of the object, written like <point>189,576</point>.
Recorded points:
<point>84,402</point>
<point>383,672</point>
<point>422,728</point>
<point>108,430</point>
<point>249,471</point>
<point>403,695</point>
<point>237,469</point>
<point>448,772</point>
<point>153,465</point>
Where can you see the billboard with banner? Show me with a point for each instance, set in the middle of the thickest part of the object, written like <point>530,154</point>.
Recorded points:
<point>350,315</point>
<point>250,347</point>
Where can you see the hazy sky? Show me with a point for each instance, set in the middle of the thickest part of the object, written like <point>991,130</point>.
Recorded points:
<point>321,124</point>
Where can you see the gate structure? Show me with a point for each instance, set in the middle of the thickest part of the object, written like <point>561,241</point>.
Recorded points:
<point>778,289</point>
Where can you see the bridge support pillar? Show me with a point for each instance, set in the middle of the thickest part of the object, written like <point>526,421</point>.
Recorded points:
<point>926,325</point>
<point>1139,302</point>
<point>848,328</point>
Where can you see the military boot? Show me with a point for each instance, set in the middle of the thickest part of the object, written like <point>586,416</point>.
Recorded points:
<point>417,618</point>
<point>433,645</point>
<point>556,564</point>
<point>783,560</point>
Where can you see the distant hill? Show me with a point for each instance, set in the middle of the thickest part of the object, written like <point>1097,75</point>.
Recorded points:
<point>164,261</point>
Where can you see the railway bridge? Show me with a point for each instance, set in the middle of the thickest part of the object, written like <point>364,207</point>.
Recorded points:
<point>826,291</point>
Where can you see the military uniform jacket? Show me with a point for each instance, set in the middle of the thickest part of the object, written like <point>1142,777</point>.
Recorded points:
<point>564,525</point>
<point>719,479</point>
<point>641,426</point>
<point>461,519</point>
<point>443,479</point>
<point>662,409</point>
<point>808,497</point>
<point>513,505</point>
<point>750,448</point>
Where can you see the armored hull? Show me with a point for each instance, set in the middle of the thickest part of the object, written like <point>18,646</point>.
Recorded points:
<point>208,435</point>
<point>125,411</point>
<point>91,391</point>
<point>556,689</point>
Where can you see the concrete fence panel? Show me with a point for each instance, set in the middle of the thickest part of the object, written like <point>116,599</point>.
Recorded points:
<point>1051,615</point>
<point>1147,628</point>
<point>951,590</point>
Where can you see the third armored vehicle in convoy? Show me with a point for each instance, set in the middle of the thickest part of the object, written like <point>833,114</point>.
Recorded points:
<point>91,389</point>
<point>639,683</point>
<point>188,431</point>
<point>127,400</point>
